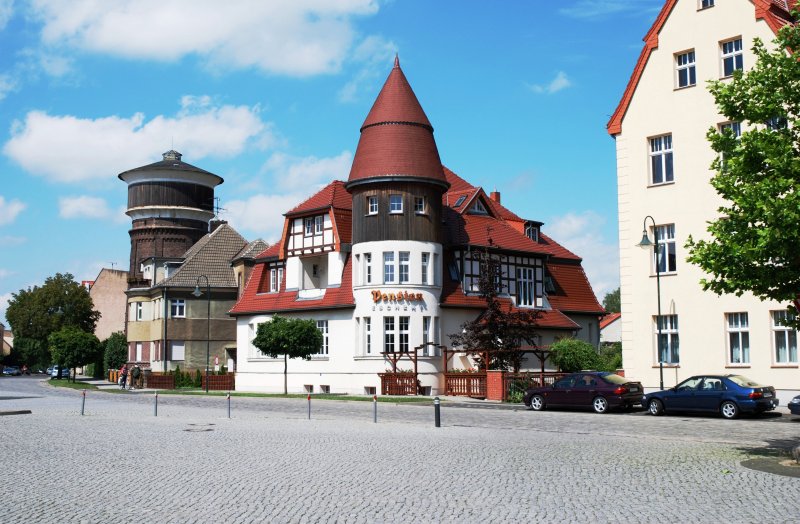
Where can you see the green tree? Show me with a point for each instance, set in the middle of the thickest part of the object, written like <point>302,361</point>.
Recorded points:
<point>611,302</point>
<point>571,354</point>
<point>499,331</point>
<point>753,245</point>
<point>71,347</point>
<point>115,351</point>
<point>290,337</point>
<point>35,313</point>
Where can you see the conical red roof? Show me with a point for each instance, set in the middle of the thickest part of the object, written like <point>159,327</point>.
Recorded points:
<point>396,138</point>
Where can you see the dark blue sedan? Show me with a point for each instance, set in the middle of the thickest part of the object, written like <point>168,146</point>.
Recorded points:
<point>794,405</point>
<point>728,395</point>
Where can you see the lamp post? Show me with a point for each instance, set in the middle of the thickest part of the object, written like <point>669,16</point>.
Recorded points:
<point>645,243</point>
<point>197,293</point>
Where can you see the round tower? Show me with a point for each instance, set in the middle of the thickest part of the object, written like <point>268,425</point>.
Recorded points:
<point>170,204</point>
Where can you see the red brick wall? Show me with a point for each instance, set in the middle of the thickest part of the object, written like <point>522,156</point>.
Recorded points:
<point>494,385</point>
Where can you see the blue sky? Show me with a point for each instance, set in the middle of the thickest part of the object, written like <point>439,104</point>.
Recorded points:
<point>270,95</point>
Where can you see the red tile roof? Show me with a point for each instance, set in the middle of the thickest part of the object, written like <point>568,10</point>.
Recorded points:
<point>332,195</point>
<point>573,291</point>
<point>609,319</point>
<point>774,12</point>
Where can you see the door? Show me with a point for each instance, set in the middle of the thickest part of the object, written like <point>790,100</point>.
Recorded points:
<point>684,397</point>
<point>560,393</point>
<point>708,396</point>
<point>583,391</point>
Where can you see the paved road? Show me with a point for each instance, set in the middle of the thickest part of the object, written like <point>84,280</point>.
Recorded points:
<point>269,463</point>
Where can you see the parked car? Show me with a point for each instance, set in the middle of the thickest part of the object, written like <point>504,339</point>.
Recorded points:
<point>794,405</point>
<point>50,370</point>
<point>64,372</point>
<point>12,371</point>
<point>728,395</point>
<point>599,390</point>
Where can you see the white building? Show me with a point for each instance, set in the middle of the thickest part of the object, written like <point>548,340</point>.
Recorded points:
<point>384,263</point>
<point>663,172</point>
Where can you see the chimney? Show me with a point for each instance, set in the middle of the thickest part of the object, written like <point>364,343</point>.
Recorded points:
<point>214,224</point>
<point>495,195</point>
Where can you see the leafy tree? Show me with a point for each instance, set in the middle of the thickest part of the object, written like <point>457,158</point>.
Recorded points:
<point>71,347</point>
<point>611,302</point>
<point>610,356</point>
<point>290,337</point>
<point>35,313</point>
<point>115,351</point>
<point>753,245</point>
<point>571,354</point>
<point>499,331</point>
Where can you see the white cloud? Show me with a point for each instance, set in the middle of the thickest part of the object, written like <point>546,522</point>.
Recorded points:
<point>66,148</point>
<point>10,240</point>
<point>292,37</point>
<point>4,298</point>
<point>557,84</point>
<point>301,173</point>
<point>6,12</point>
<point>588,9</point>
<point>7,85</point>
<point>374,53</point>
<point>261,215</point>
<point>582,234</point>
<point>89,207</point>
<point>9,210</point>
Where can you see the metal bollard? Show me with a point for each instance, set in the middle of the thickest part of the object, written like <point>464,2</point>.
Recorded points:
<point>375,409</point>
<point>309,407</point>
<point>229,404</point>
<point>83,401</point>
<point>436,415</point>
<point>155,406</point>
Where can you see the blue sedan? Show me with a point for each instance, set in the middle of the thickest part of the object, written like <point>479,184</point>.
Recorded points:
<point>728,395</point>
<point>794,405</point>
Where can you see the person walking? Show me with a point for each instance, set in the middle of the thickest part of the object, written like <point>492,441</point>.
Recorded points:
<point>136,374</point>
<point>123,376</point>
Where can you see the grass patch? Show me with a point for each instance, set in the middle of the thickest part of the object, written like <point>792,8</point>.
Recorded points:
<point>65,383</point>
<point>355,398</point>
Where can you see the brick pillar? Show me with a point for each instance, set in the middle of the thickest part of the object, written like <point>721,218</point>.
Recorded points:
<point>494,385</point>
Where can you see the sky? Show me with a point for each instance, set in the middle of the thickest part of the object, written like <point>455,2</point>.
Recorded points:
<point>270,95</point>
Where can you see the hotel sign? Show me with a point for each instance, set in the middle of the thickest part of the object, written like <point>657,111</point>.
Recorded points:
<point>378,296</point>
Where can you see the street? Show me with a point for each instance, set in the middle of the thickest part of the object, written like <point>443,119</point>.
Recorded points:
<point>270,463</point>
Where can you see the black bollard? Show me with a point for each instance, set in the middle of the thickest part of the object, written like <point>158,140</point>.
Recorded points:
<point>309,407</point>
<point>229,404</point>
<point>436,416</point>
<point>375,409</point>
<point>155,406</point>
<point>83,402</point>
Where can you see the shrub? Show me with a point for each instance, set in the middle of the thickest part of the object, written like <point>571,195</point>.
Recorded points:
<point>571,355</point>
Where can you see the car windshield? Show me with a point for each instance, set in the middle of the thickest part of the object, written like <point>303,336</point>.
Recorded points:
<point>744,381</point>
<point>615,379</point>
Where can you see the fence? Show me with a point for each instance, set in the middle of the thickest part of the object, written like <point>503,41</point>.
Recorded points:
<point>465,385</point>
<point>515,384</point>
<point>399,384</point>
<point>225,382</point>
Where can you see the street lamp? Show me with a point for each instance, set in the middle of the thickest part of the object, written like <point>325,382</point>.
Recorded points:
<point>197,293</point>
<point>645,243</point>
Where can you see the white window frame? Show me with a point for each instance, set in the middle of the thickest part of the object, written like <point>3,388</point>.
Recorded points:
<point>420,206</point>
<point>139,311</point>
<point>139,350</point>
<point>667,250</point>
<point>669,333</point>
<point>731,51</point>
<point>308,226</point>
<point>403,324</point>
<point>404,259</point>
<point>322,325</point>
<point>705,4</point>
<point>368,268</point>
<point>388,267</point>
<point>368,335</point>
<point>372,205</point>
<point>425,267</point>
<point>784,339</point>
<point>395,204</point>
<point>177,308</point>
<point>685,65</point>
<point>319,224</point>
<point>426,335</point>
<point>662,159</point>
<point>177,350</point>
<point>388,335</point>
<point>526,283</point>
<point>273,280</point>
<point>737,327</point>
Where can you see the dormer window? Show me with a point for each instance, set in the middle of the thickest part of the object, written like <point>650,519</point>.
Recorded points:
<point>532,232</point>
<point>478,208</point>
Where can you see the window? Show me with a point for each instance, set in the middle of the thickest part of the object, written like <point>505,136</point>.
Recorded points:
<point>322,325</point>
<point>705,4</point>
<point>666,261</point>
<point>460,201</point>
<point>280,279</point>
<point>138,352</point>
<point>388,334</point>
<point>368,268</point>
<point>177,308</point>
<point>776,122</point>
<point>404,334</point>
<point>139,310</point>
<point>478,208</point>
<point>425,259</point>
<point>319,222</point>
<point>785,338</point>
<point>368,335</point>
<point>177,350</point>
<point>738,338</point>
<point>684,64</point>
<point>733,127</point>
<point>405,257</point>
<point>661,160</point>
<point>525,281</point>
<point>732,57</point>
<point>395,203</point>
<point>372,205</point>
<point>419,205</point>
<point>668,342</point>
<point>388,267</point>
<point>532,232</point>
<point>426,335</point>
<point>273,280</point>
<point>309,222</point>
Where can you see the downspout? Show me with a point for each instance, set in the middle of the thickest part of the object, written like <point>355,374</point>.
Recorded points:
<point>164,340</point>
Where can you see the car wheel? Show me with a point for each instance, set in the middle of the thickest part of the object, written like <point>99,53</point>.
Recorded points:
<point>655,407</point>
<point>729,409</point>
<point>600,405</point>
<point>537,403</point>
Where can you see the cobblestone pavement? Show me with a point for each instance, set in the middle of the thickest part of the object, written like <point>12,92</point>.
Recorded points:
<point>269,463</point>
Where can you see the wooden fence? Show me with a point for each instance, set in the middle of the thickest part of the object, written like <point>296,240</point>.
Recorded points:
<point>399,384</point>
<point>465,385</point>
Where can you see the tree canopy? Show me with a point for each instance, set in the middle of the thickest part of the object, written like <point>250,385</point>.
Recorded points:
<point>753,244</point>
<point>499,331</point>
<point>115,351</point>
<point>71,347</point>
<point>571,355</point>
<point>35,313</point>
<point>611,302</point>
<point>290,337</point>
